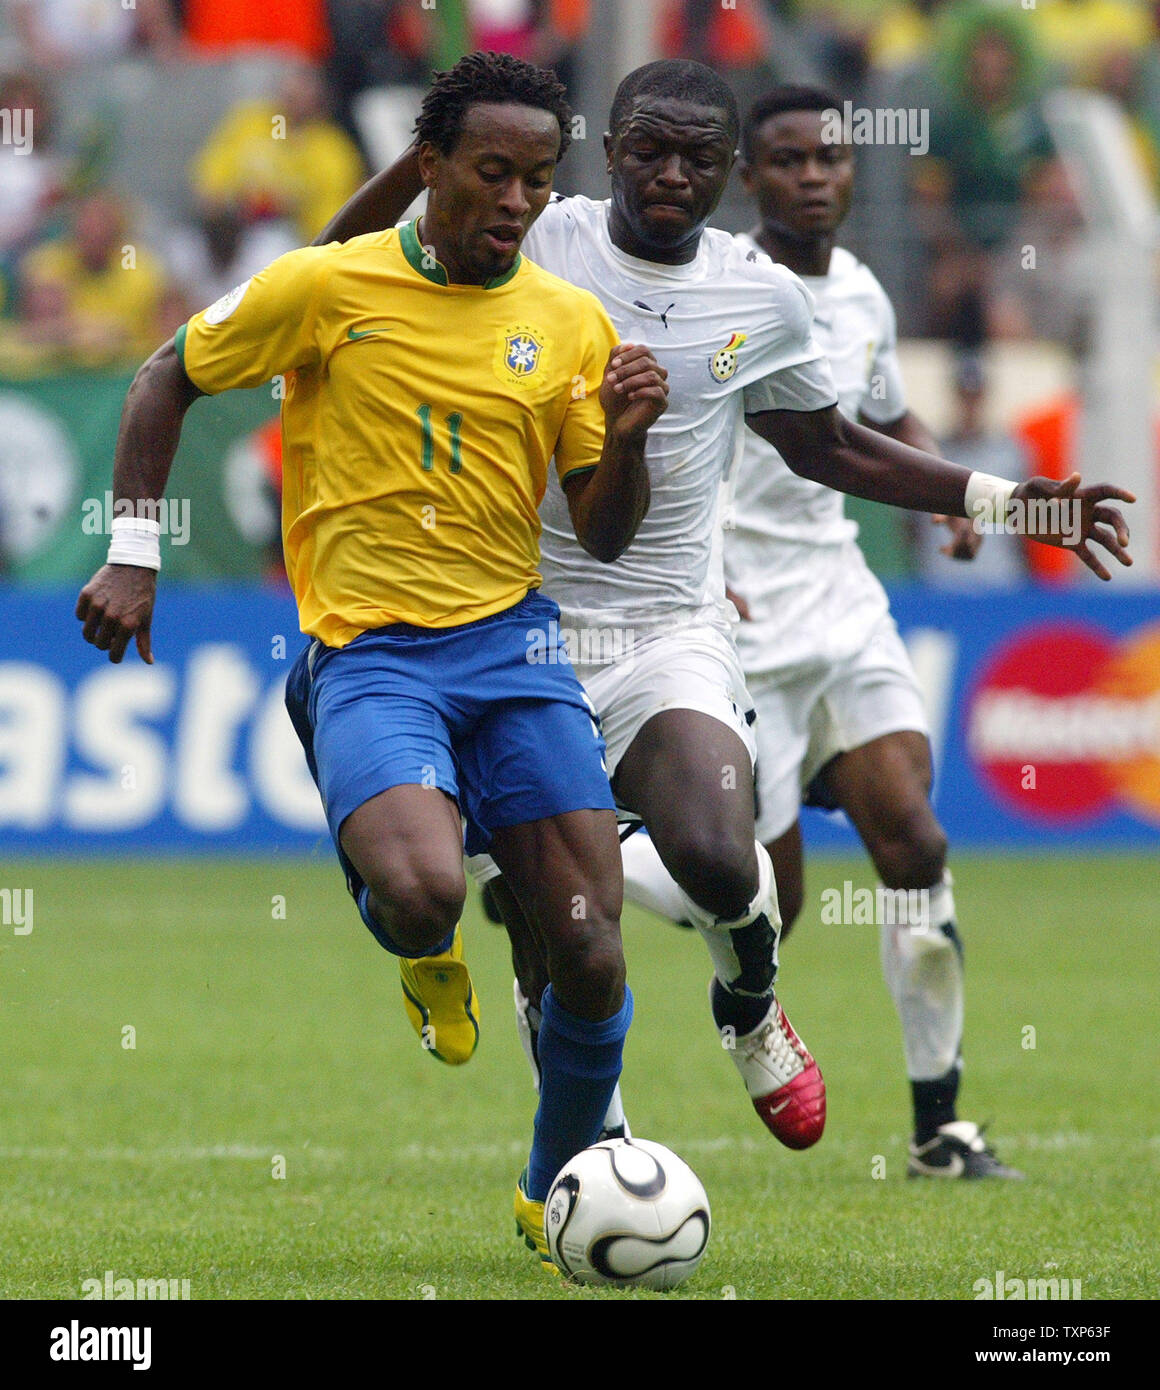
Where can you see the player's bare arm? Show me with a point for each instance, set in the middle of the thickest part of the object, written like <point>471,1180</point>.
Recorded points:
<point>965,538</point>
<point>826,447</point>
<point>608,505</point>
<point>116,605</point>
<point>379,203</point>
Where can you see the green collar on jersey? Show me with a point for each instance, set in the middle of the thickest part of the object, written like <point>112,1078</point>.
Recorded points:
<point>425,263</point>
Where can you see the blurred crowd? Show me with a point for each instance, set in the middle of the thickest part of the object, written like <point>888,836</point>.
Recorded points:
<point>155,153</point>
<point>276,164</point>
<point>92,274</point>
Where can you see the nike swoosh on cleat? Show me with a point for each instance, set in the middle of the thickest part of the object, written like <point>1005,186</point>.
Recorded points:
<point>953,1169</point>
<point>777,1109</point>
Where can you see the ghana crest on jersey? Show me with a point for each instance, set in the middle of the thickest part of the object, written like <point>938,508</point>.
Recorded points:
<point>723,363</point>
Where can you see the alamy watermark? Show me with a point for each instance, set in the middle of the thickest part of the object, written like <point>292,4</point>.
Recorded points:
<point>112,1286</point>
<point>16,128</point>
<point>876,907</point>
<point>77,1343</point>
<point>878,125</point>
<point>1032,516</point>
<point>598,646</point>
<point>171,514</point>
<point>1001,1287</point>
<point>16,910</point>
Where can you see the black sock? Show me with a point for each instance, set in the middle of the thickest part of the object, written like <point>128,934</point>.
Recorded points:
<point>741,1012</point>
<point>934,1103</point>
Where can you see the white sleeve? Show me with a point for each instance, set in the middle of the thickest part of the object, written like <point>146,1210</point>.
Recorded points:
<point>885,397</point>
<point>808,386</point>
<point>794,372</point>
<point>547,238</point>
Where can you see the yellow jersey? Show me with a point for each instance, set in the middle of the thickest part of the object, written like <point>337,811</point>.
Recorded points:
<point>418,422</point>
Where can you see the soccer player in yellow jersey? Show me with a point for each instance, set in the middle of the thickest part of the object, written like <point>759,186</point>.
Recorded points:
<point>433,373</point>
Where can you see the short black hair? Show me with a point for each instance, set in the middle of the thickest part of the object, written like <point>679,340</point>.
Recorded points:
<point>494,78</point>
<point>787,97</point>
<point>675,77</point>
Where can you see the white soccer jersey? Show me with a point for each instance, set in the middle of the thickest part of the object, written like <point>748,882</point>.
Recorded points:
<point>733,331</point>
<point>790,550</point>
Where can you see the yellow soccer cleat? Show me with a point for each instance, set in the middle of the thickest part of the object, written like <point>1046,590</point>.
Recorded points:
<point>530,1225</point>
<point>441,1003</point>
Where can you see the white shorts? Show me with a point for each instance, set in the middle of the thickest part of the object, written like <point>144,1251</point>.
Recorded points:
<point>810,713</point>
<point>691,667</point>
<point>694,666</point>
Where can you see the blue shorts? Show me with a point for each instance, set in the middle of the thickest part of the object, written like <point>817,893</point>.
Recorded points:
<point>489,712</point>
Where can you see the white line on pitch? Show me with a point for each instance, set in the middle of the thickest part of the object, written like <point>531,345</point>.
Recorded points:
<point>436,1153</point>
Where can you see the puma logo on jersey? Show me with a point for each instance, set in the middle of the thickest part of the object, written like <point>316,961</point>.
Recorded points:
<point>662,314</point>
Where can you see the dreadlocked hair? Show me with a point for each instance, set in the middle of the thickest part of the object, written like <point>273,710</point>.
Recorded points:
<point>489,78</point>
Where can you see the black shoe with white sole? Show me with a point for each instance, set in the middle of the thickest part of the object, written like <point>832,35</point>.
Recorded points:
<point>958,1150</point>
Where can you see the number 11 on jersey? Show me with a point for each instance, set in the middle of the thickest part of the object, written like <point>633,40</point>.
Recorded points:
<point>454,421</point>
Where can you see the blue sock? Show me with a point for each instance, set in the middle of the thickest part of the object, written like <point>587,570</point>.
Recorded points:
<point>579,1069</point>
<point>388,942</point>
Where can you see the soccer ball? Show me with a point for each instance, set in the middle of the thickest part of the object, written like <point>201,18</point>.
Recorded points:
<point>627,1211</point>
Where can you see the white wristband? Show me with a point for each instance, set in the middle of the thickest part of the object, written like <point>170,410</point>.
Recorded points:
<point>136,541</point>
<point>986,500</point>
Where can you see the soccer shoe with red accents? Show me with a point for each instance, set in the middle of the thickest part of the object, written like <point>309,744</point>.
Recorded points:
<point>784,1082</point>
<point>441,1003</point>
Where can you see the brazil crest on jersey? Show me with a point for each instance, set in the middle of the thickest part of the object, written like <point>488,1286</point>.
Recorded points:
<point>522,353</point>
<point>418,422</point>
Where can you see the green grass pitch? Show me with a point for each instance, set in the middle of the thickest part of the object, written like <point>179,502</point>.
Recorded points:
<point>261,1038</point>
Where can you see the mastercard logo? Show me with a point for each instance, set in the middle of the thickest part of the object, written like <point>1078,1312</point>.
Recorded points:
<point>1064,723</point>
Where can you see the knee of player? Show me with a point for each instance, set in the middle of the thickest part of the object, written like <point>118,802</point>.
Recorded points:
<point>718,870</point>
<point>915,854</point>
<point>422,907</point>
<point>591,958</point>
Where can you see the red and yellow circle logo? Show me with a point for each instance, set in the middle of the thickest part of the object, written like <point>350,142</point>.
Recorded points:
<point>1064,723</point>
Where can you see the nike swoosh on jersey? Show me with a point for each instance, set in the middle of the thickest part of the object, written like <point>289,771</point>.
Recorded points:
<point>354,335</point>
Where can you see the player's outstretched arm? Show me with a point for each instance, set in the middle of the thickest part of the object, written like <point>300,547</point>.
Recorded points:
<point>379,203</point>
<point>826,447</point>
<point>608,504</point>
<point>965,540</point>
<point>116,605</point>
